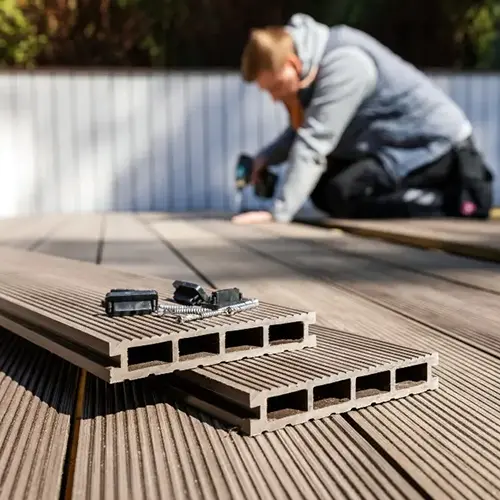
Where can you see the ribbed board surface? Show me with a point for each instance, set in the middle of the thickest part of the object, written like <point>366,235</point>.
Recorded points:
<point>164,451</point>
<point>37,393</point>
<point>481,246</point>
<point>62,297</point>
<point>469,394</point>
<point>465,271</point>
<point>336,353</point>
<point>433,301</point>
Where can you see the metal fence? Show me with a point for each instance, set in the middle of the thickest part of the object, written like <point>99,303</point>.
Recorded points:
<point>73,142</point>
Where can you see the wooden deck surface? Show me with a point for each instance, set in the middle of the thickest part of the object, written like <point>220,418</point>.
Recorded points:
<point>66,434</point>
<point>477,239</point>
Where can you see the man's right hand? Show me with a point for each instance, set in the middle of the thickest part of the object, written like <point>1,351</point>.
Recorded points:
<point>259,165</point>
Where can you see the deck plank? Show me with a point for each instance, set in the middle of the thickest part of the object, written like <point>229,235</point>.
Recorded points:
<point>465,271</point>
<point>130,246</point>
<point>29,232</point>
<point>37,395</point>
<point>77,237</point>
<point>478,243</point>
<point>38,389</point>
<point>433,301</point>
<point>185,453</point>
<point>418,433</point>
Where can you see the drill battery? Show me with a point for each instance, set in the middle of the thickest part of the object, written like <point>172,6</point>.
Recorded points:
<point>266,184</point>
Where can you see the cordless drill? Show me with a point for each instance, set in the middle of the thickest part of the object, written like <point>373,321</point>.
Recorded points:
<point>266,183</point>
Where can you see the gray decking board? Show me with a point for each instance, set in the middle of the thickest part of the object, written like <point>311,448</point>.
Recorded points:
<point>137,443</point>
<point>37,395</point>
<point>62,297</point>
<point>445,440</point>
<point>344,372</point>
<point>472,273</point>
<point>431,300</point>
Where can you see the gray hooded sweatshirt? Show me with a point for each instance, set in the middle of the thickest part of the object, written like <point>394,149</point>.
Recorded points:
<point>365,100</point>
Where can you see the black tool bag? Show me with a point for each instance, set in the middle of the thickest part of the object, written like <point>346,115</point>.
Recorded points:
<point>469,190</point>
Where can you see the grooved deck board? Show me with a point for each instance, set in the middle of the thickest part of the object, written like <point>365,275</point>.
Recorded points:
<point>37,394</point>
<point>344,372</point>
<point>129,245</point>
<point>55,294</point>
<point>436,302</point>
<point>136,443</point>
<point>465,271</point>
<point>77,237</point>
<point>469,392</point>
<point>25,232</point>
<point>477,244</point>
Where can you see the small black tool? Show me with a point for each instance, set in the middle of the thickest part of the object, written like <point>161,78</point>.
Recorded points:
<point>225,297</point>
<point>129,302</point>
<point>189,294</point>
<point>192,294</point>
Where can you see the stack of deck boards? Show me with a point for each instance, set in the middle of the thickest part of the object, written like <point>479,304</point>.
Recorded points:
<point>259,370</point>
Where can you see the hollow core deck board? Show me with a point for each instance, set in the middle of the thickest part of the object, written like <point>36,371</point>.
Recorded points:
<point>136,443</point>
<point>187,454</point>
<point>436,302</point>
<point>466,271</point>
<point>37,395</point>
<point>343,372</point>
<point>63,298</point>
<point>469,390</point>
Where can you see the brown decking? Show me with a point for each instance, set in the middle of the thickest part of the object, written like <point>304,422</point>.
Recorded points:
<point>134,441</point>
<point>476,239</point>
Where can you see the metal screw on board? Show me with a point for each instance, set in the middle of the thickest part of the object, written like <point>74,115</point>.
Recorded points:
<point>228,311</point>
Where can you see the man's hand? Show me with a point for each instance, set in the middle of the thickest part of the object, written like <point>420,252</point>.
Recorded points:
<point>255,217</point>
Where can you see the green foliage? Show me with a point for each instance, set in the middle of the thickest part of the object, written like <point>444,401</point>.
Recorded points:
<point>20,43</point>
<point>200,33</point>
<point>482,23</point>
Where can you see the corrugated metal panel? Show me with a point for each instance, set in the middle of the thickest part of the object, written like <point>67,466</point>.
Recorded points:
<point>153,141</point>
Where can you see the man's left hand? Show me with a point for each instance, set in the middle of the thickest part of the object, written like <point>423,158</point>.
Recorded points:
<point>255,217</point>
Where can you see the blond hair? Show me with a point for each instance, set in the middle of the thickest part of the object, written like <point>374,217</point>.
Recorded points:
<point>266,50</point>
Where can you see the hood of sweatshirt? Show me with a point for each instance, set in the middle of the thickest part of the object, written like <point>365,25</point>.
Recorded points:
<point>310,38</point>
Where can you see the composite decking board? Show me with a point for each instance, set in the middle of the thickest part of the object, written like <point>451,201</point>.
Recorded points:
<point>481,245</point>
<point>469,391</point>
<point>434,301</point>
<point>191,456</point>
<point>465,271</point>
<point>337,353</point>
<point>129,245</point>
<point>55,294</point>
<point>448,226</point>
<point>77,237</point>
<point>25,232</point>
<point>463,402</point>
<point>342,373</point>
<point>37,394</point>
<point>136,443</point>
